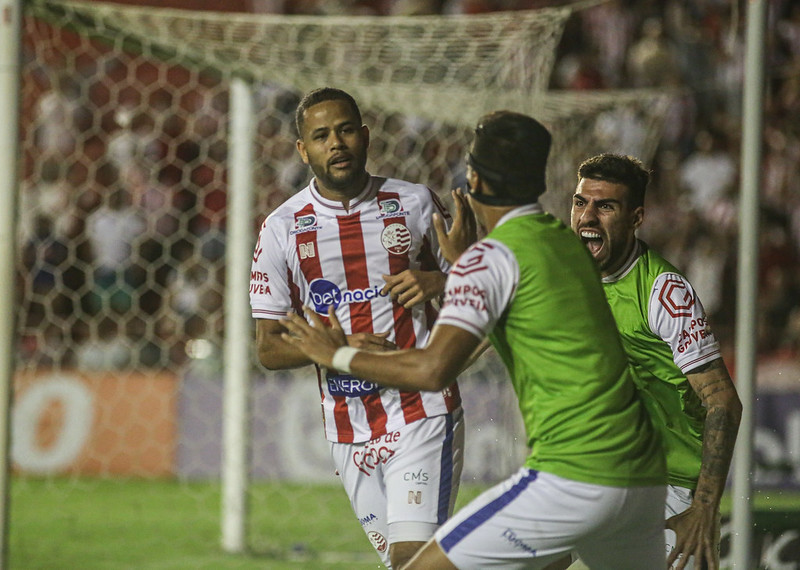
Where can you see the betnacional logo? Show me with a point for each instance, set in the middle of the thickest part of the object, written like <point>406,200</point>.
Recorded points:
<point>323,294</point>
<point>396,239</point>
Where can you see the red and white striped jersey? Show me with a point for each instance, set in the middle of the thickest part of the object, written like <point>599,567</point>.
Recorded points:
<point>311,251</point>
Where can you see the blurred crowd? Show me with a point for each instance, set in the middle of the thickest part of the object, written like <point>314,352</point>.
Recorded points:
<point>692,210</point>
<point>97,235</point>
<point>122,217</point>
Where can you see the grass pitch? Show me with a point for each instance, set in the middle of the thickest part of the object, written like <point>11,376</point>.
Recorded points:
<point>115,524</point>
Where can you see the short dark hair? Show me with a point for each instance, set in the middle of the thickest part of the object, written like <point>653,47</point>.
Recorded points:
<point>618,169</point>
<point>510,151</point>
<point>318,96</point>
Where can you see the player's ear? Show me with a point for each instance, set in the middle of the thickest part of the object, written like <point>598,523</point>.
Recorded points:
<point>480,185</point>
<point>474,181</point>
<point>365,134</point>
<point>301,148</point>
<point>638,217</point>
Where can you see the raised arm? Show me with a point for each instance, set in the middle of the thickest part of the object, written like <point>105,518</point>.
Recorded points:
<point>431,368</point>
<point>274,353</point>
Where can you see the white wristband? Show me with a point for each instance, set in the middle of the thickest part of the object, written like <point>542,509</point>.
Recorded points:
<point>342,357</point>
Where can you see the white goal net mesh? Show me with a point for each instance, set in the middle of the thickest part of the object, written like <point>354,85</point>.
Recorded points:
<point>122,231</point>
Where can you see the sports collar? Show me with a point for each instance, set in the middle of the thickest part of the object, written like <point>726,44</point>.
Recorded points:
<point>525,210</point>
<point>626,268</point>
<point>364,195</point>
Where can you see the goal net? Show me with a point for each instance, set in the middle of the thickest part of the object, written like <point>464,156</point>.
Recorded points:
<point>123,228</point>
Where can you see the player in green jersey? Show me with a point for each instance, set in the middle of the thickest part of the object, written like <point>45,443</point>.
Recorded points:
<point>666,335</point>
<point>594,479</point>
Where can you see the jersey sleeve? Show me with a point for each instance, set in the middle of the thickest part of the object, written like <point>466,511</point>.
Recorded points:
<point>676,315</point>
<point>479,288</point>
<point>270,296</point>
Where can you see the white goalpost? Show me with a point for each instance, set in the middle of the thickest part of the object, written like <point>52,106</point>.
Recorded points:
<point>238,334</point>
<point>9,152</point>
<point>747,282</point>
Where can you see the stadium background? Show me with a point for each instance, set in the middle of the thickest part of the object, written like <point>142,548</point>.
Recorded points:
<point>117,405</point>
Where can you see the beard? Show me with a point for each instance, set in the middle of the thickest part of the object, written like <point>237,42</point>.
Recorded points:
<point>341,180</point>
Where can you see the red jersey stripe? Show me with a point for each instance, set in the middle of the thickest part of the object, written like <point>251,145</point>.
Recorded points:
<point>354,258</point>
<point>306,247</point>
<point>410,402</point>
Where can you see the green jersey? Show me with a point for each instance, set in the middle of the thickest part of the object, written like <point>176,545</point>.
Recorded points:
<point>534,287</point>
<point>665,334</point>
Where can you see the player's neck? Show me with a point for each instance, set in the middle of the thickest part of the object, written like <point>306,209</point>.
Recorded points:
<point>343,195</point>
<point>622,261</point>
<point>490,215</point>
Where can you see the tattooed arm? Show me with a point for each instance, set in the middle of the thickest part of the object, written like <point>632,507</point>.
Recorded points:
<point>696,528</point>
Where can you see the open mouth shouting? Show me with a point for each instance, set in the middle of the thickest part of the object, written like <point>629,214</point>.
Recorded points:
<point>593,240</point>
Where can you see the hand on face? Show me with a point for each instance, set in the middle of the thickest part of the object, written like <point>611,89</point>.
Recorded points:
<point>463,231</point>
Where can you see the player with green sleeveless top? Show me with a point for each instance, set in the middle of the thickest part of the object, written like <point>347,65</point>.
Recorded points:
<point>594,481</point>
<point>563,366</point>
<point>666,335</point>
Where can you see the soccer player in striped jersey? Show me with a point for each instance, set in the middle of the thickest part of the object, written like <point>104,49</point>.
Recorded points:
<point>365,246</point>
<point>595,478</point>
<point>666,335</point>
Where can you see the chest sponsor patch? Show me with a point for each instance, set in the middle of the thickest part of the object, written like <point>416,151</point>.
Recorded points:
<point>349,386</point>
<point>391,208</point>
<point>305,223</point>
<point>323,293</point>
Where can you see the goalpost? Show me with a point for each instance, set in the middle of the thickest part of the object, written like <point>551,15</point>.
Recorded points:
<point>9,135</point>
<point>186,117</point>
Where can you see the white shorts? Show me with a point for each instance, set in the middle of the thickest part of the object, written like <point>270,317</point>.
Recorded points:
<point>678,500</point>
<point>403,485</point>
<point>533,519</point>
